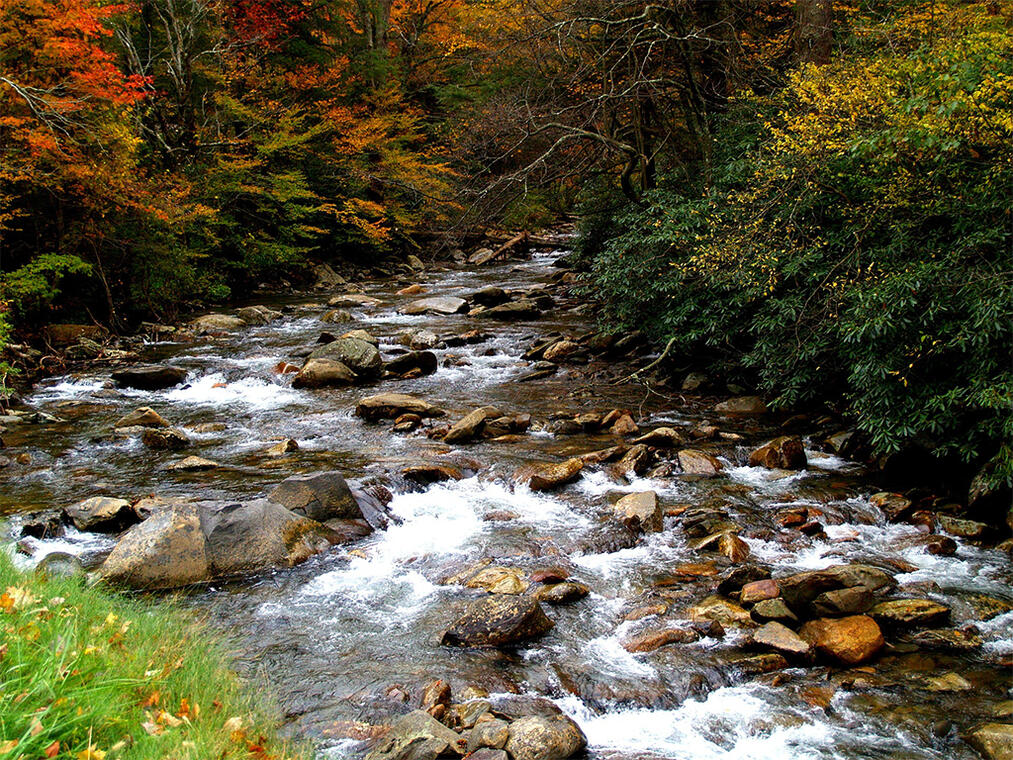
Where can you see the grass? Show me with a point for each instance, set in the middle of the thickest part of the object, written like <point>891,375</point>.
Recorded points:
<point>92,675</point>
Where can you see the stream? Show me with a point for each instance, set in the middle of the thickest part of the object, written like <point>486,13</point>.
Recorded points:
<point>343,638</point>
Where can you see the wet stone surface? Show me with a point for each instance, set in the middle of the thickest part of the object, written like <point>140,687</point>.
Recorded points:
<point>350,638</point>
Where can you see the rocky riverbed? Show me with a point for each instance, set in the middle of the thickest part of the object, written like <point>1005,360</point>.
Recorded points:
<point>440,518</point>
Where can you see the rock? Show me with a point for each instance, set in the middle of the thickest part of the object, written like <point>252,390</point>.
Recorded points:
<point>723,611</point>
<point>663,438</point>
<point>560,350</point>
<point>994,741</point>
<point>322,496</point>
<point>767,610</point>
<point>636,460</point>
<point>498,580</point>
<point>894,505</point>
<point>470,426</point>
<point>417,736</point>
<point>411,290</point>
<point>60,565</point>
<point>498,620</point>
<point>143,416</point>
<point>549,476</point>
<point>963,528</point>
<point>640,510</point>
<point>65,335</point>
<point>624,425</point>
<point>910,613</point>
<point>436,694</point>
<point>848,641</point>
<point>947,640</point>
<point>948,682</point>
<point>324,373</point>
<point>354,299</point>
<point>842,602</point>
<point>490,296</point>
<point>800,589</point>
<point>360,334</point>
<point>694,381</point>
<point>164,439</point>
<point>780,638</point>
<point>359,356</point>
<point>420,363</point>
<point>514,310</point>
<point>537,737</point>
<point>562,593</point>
<point>193,464</point>
<point>282,448</point>
<point>696,462</point>
<point>651,640</point>
<point>436,305</point>
<point>258,315</point>
<point>762,663</point>
<point>758,591</point>
<point>246,537</point>
<point>149,377</point>
<point>165,551</point>
<point>742,406</point>
<point>102,514</point>
<point>326,278</point>
<point>492,734</point>
<point>481,256</point>
<point>431,473</point>
<point>737,578</point>
<point>784,453</point>
<point>391,405</point>
<point>337,317</point>
<point>418,339</point>
<point>211,323</point>
<point>725,542</point>
<point>47,524</point>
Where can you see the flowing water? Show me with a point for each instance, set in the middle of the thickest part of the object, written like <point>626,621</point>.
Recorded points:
<point>346,635</point>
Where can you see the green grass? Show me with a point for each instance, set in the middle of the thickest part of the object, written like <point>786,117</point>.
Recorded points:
<point>89,674</point>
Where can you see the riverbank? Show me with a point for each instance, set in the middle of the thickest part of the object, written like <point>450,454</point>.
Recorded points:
<point>98,676</point>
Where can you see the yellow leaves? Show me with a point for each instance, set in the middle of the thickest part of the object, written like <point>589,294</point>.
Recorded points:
<point>92,753</point>
<point>8,746</point>
<point>15,599</point>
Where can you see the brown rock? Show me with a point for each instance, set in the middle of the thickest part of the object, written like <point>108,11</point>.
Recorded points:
<point>651,640</point>
<point>498,620</point>
<point>757,591</point>
<point>640,510</point>
<point>784,453</point>
<point>549,476</point>
<point>696,462</point>
<point>742,406</point>
<point>849,640</point>
<point>781,639</point>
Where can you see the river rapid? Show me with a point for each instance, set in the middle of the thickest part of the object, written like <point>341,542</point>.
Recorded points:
<point>352,635</point>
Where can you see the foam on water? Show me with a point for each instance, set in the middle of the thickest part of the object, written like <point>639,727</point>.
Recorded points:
<point>214,390</point>
<point>69,389</point>
<point>598,483</point>
<point>732,723</point>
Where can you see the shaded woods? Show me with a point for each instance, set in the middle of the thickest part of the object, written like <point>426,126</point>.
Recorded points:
<point>802,196</point>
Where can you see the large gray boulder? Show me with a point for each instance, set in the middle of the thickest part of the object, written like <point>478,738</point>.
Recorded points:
<point>149,377</point>
<point>165,551</point>
<point>324,373</point>
<point>322,496</point>
<point>359,356</point>
<point>251,536</point>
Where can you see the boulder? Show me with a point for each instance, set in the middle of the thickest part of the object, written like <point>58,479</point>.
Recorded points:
<point>910,613</point>
<point>723,611</point>
<point>418,363</point>
<point>842,602</point>
<point>800,589</point>
<point>418,339</point>
<point>624,425</point>
<point>696,462</point>
<point>102,514</point>
<point>663,438</point>
<point>488,734</point>
<point>640,510</point>
<point>48,524</point>
<point>490,296</point>
<point>65,335</point>
<point>361,334</point>
<point>192,464</point>
<point>149,377</point>
<point>725,542</point>
<point>758,591</point>
<point>560,350</point>
<point>361,357</point>
<point>780,638</point>
<point>894,505</point>
<point>321,496</point>
<point>247,537</point>
<point>742,406</point>
<point>143,416</point>
<point>283,447</point>
<point>392,405</point>
<point>848,640</point>
<point>470,426</point>
<point>164,439</point>
<point>498,580</point>
<point>431,473</point>
<point>947,640</point>
<point>60,565</point>
<point>562,593</point>
<point>549,476</point>
<point>514,310</point>
<point>538,737</point>
<point>324,373</point>
<point>767,610</point>
<point>498,620</point>
<point>436,305</point>
<point>211,323</point>
<point>417,736</point>
<point>994,741</point>
<point>258,315</point>
<point>963,528</point>
<point>337,317</point>
<point>784,453</point>
<point>165,551</point>
<point>354,299</point>
<point>325,278</point>
<point>651,640</point>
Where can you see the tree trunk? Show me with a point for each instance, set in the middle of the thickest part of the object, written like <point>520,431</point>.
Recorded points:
<point>814,30</point>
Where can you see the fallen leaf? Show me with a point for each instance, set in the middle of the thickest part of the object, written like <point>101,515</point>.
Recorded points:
<point>152,729</point>
<point>7,746</point>
<point>91,754</point>
<point>36,728</point>
<point>52,750</point>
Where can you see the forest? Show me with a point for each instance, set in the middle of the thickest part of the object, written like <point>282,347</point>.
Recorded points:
<point>813,197</point>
